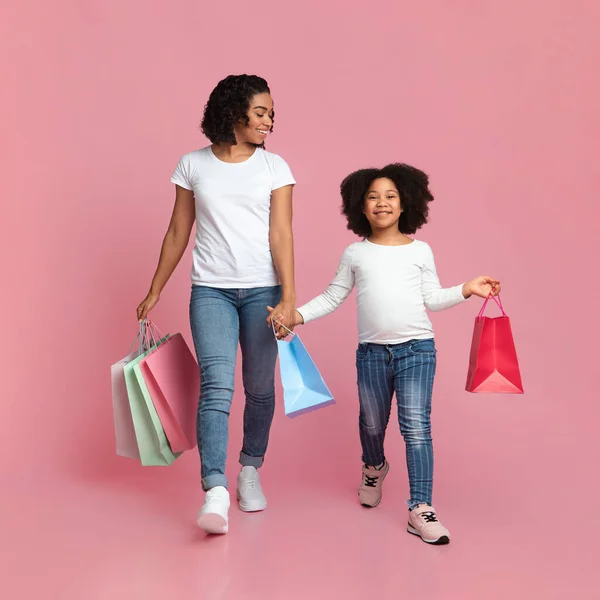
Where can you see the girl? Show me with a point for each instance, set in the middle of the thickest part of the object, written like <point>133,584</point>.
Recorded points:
<point>240,197</point>
<point>396,282</point>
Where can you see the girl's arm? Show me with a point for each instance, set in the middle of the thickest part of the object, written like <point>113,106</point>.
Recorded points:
<point>437,298</point>
<point>174,244</point>
<point>281,239</point>
<point>333,297</point>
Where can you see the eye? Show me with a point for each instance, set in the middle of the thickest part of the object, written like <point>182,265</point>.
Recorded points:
<point>260,116</point>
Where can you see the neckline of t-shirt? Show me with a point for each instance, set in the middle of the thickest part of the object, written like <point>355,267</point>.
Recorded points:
<point>396,246</point>
<point>223,162</point>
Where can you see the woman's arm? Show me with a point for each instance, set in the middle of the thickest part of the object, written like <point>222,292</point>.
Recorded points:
<point>174,244</point>
<point>281,238</point>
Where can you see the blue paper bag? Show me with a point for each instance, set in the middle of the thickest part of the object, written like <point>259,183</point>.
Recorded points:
<point>303,386</point>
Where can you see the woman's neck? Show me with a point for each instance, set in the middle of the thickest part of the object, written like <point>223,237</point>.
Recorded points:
<point>233,153</point>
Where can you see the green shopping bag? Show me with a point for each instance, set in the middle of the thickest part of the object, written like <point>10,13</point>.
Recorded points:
<point>152,441</point>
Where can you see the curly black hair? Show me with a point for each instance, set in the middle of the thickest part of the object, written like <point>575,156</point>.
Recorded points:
<point>228,103</point>
<point>412,185</point>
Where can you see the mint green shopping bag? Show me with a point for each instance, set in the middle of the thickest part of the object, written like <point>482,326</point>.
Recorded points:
<point>152,441</point>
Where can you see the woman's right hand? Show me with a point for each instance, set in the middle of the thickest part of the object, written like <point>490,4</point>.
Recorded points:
<point>147,305</point>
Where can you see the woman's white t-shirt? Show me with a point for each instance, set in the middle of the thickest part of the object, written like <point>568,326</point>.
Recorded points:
<point>233,207</point>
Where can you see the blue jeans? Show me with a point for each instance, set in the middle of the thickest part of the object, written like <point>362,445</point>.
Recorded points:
<point>408,370</point>
<point>220,318</point>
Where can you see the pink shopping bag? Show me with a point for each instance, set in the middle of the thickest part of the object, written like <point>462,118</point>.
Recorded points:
<point>493,363</point>
<point>172,376</point>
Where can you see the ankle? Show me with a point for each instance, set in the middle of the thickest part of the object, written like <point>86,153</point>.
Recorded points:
<point>421,505</point>
<point>376,467</point>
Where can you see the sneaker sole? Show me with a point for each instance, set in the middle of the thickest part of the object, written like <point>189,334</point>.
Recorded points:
<point>251,507</point>
<point>369,505</point>
<point>212,523</point>
<point>442,541</point>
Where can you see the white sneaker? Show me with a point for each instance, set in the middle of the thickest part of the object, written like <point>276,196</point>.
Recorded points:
<point>213,514</point>
<point>249,491</point>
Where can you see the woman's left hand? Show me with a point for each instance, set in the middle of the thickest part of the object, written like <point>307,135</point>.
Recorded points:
<point>482,286</point>
<point>282,314</point>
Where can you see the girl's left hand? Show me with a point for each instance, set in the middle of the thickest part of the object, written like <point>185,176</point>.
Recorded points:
<point>283,313</point>
<point>482,286</point>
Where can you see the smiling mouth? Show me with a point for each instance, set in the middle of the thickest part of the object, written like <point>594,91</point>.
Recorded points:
<point>262,132</point>
<point>382,212</point>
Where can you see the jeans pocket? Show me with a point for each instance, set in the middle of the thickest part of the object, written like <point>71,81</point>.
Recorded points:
<point>425,347</point>
<point>362,352</point>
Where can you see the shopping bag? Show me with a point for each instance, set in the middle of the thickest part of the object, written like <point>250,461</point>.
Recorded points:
<point>126,441</point>
<point>493,363</point>
<point>151,439</point>
<point>304,389</point>
<point>172,378</point>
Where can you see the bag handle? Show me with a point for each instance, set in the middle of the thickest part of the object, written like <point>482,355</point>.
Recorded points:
<point>147,336</point>
<point>154,333</point>
<point>497,300</point>
<point>273,321</point>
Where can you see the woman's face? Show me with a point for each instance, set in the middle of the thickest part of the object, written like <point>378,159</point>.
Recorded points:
<point>260,121</point>
<point>382,204</point>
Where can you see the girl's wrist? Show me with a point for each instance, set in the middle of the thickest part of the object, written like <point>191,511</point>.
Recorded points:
<point>466,291</point>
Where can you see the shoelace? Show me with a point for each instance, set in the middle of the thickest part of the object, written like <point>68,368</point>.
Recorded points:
<point>250,484</point>
<point>371,481</point>
<point>429,516</point>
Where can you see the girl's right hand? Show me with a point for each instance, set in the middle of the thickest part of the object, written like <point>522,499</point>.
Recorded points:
<point>147,305</point>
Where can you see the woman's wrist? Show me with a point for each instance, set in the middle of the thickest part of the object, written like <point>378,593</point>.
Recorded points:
<point>154,291</point>
<point>289,297</point>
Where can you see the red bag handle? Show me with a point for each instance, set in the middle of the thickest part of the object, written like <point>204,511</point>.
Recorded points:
<point>497,300</point>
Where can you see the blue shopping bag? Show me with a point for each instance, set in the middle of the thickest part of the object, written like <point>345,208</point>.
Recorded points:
<point>304,389</point>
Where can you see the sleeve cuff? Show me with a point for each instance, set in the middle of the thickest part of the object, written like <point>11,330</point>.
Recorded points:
<point>181,183</point>
<point>459,293</point>
<point>281,184</point>
<point>306,314</point>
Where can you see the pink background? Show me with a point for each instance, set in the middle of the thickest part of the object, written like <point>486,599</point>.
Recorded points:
<point>497,101</point>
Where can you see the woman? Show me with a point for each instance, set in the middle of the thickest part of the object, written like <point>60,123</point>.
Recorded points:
<point>240,197</point>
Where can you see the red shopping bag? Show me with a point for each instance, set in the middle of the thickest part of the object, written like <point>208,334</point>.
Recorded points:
<point>173,379</point>
<point>493,364</point>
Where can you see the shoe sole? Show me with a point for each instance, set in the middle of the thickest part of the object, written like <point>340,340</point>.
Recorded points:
<point>370,505</point>
<point>256,507</point>
<point>442,541</point>
<point>212,523</point>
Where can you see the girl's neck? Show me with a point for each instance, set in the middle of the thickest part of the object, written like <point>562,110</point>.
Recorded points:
<point>389,237</point>
<point>233,153</point>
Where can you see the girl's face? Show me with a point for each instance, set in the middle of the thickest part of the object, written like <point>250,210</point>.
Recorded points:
<point>382,204</point>
<point>260,116</point>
